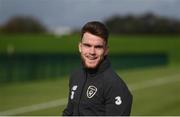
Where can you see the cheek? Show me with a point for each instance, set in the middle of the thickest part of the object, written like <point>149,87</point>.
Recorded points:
<point>101,53</point>
<point>84,51</point>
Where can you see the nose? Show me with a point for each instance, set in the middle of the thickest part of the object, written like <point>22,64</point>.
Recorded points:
<point>92,51</point>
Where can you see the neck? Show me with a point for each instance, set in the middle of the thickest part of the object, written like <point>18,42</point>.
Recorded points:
<point>101,67</point>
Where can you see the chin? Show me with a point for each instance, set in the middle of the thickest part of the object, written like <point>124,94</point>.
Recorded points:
<point>91,66</point>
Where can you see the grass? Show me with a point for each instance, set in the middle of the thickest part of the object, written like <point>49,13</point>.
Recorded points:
<point>119,44</point>
<point>158,100</point>
<point>68,44</point>
<point>16,95</point>
<point>29,43</point>
<point>155,100</point>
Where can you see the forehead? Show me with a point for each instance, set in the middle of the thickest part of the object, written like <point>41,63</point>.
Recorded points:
<point>92,39</point>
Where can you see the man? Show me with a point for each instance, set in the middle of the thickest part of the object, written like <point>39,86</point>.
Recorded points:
<point>95,89</point>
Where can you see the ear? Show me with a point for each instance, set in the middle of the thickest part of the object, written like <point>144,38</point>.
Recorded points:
<point>106,50</point>
<point>80,47</point>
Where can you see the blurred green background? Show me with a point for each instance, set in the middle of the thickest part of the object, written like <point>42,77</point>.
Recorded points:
<point>35,62</point>
<point>37,72</point>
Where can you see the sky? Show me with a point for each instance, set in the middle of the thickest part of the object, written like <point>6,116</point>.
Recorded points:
<point>75,13</point>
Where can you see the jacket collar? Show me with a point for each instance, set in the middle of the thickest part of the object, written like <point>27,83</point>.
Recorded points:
<point>105,63</point>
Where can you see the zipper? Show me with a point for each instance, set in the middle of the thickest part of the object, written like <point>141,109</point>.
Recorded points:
<point>82,91</point>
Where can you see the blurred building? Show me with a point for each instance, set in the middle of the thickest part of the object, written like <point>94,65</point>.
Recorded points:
<point>61,31</point>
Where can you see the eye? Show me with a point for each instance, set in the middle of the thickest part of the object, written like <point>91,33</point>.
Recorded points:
<point>99,46</point>
<point>86,45</point>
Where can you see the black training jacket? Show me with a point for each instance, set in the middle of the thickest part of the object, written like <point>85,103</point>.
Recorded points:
<point>98,92</point>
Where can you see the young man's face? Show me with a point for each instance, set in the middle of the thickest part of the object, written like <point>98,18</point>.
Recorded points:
<point>93,49</point>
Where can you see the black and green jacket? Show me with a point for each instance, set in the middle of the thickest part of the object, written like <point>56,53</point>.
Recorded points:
<point>98,92</point>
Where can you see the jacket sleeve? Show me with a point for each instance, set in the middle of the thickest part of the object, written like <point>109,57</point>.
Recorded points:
<point>118,100</point>
<point>68,111</point>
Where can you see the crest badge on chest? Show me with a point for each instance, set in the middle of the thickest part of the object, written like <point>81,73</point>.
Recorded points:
<point>91,91</point>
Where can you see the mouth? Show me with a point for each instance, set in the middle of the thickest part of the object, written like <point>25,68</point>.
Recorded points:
<point>91,61</point>
<point>91,58</point>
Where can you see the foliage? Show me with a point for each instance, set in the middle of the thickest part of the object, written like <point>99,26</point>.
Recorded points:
<point>143,24</point>
<point>23,24</point>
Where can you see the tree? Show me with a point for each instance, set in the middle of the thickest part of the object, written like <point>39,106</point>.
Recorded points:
<point>143,24</point>
<point>23,24</point>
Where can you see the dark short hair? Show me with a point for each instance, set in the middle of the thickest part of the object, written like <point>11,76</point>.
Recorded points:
<point>96,28</point>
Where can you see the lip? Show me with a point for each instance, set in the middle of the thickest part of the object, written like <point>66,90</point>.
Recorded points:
<point>91,58</point>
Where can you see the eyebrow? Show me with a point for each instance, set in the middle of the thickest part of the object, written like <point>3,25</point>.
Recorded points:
<point>86,44</point>
<point>96,46</point>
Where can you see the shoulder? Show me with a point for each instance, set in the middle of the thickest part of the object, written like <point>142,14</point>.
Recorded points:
<point>113,80</point>
<point>110,76</point>
<point>77,71</point>
<point>114,86</point>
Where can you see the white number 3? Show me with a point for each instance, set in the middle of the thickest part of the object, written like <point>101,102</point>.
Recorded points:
<point>118,100</point>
